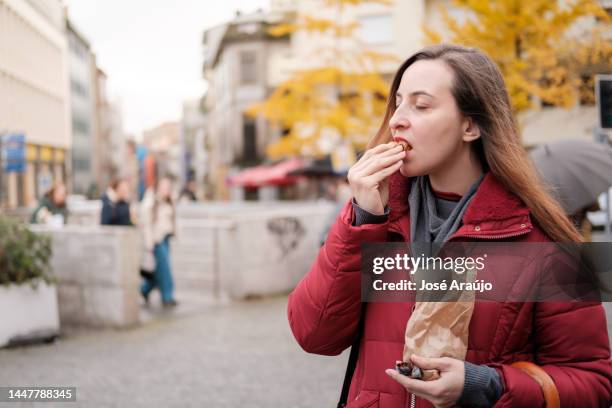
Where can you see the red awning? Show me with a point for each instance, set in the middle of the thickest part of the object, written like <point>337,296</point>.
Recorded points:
<point>267,175</point>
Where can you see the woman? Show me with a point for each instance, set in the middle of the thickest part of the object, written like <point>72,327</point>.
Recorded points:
<point>464,176</point>
<point>52,207</point>
<point>157,222</point>
<point>188,194</point>
<point>115,204</point>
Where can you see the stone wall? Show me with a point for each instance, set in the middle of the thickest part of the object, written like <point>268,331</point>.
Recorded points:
<point>97,268</point>
<point>240,250</point>
<point>246,249</point>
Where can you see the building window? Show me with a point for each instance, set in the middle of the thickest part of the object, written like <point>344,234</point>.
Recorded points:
<point>77,48</point>
<point>79,125</point>
<point>78,88</point>
<point>376,29</point>
<point>248,67</point>
<point>249,141</point>
<point>80,164</point>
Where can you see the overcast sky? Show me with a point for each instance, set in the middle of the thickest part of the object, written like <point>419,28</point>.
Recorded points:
<point>151,50</point>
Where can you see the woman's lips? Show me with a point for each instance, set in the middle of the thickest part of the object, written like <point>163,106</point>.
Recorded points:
<point>405,145</point>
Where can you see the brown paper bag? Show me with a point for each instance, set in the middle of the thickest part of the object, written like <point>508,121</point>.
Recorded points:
<point>440,329</point>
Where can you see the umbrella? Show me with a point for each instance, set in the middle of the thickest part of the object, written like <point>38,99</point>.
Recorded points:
<point>578,171</point>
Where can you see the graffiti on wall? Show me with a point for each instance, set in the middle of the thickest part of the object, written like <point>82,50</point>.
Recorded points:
<point>287,232</point>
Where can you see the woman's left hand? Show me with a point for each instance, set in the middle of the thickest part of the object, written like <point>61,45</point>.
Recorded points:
<point>443,392</point>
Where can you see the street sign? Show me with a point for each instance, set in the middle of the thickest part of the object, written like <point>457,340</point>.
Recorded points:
<point>603,95</point>
<point>603,100</point>
<point>13,153</point>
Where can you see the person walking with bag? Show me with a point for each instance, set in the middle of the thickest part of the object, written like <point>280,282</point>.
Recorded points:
<point>448,165</point>
<point>157,221</point>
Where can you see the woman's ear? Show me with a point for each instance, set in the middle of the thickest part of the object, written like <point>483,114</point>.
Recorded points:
<point>471,131</point>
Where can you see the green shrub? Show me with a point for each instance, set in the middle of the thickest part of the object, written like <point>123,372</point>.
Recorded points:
<point>24,255</point>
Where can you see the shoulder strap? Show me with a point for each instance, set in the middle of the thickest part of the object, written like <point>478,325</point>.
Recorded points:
<point>549,389</point>
<point>352,361</point>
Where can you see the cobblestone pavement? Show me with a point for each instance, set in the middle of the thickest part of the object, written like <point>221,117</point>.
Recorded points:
<point>222,355</point>
<point>204,354</point>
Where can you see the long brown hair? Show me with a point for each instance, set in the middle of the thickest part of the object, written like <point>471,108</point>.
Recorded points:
<point>480,93</point>
<point>50,194</point>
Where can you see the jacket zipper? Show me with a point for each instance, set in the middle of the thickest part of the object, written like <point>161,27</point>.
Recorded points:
<point>509,235</point>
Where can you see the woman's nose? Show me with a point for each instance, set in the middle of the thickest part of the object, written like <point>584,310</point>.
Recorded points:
<point>398,122</point>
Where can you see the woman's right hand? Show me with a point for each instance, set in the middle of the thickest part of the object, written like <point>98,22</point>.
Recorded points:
<point>368,177</point>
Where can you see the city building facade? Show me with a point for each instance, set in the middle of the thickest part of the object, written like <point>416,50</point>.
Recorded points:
<point>82,107</point>
<point>35,96</point>
<point>243,63</point>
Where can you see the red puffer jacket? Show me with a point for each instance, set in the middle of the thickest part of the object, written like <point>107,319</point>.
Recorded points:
<point>569,340</point>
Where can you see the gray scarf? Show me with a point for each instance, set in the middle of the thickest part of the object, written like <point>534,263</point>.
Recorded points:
<point>426,223</point>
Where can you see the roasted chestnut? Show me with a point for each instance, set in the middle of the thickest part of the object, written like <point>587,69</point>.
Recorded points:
<point>410,370</point>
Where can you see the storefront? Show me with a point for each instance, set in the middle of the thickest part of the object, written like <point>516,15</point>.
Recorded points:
<point>45,165</point>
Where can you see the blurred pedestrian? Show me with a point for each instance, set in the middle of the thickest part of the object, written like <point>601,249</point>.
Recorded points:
<point>158,225</point>
<point>188,193</point>
<point>115,203</point>
<point>52,208</point>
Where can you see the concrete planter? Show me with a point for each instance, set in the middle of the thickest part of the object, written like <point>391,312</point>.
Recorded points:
<point>97,268</point>
<point>28,314</point>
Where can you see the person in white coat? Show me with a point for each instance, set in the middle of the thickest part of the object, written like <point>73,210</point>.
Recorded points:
<point>157,223</point>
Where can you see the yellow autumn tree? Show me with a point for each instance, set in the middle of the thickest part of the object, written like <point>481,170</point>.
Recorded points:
<point>545,49</point>
<point>339,99</point>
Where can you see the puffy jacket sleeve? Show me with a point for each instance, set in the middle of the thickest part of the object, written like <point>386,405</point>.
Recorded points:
<point>324,309</point>
<point>572,346</point>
